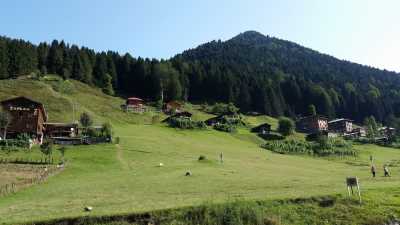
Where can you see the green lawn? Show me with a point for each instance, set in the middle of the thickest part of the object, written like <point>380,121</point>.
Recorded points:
<point>126,178</point>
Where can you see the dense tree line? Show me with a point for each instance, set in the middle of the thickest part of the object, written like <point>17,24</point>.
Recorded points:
<point>255,72</point>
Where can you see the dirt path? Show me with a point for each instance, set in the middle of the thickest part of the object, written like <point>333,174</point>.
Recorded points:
<point>120,157</point>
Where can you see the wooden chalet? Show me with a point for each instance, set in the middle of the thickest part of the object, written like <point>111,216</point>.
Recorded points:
<point>27,116</point>
<point>61,130</point>
<point>215,120</point>
<point>134,104</point>
<point>264,128</point>
<point>341,126</point>
<point>172,107</point>
<point>312,124</point>
<point>387,132</point>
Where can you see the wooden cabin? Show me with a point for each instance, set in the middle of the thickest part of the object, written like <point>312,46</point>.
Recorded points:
<point>388,132</point>
<point>264,128</point>
<point>134,104</point>
<point>215,120</point>
<point>341,126</point>
<point>61,130</point>
<point>312,124</point>
<point>172,107</point>
<point>27,116</point>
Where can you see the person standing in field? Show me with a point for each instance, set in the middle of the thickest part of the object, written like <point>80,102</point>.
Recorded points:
<point>386,171</point>
<point>373,170</point>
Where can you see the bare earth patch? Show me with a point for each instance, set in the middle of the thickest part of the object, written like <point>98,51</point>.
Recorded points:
<point>22,175</point>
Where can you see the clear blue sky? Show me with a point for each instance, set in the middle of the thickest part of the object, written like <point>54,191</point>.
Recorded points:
<point>363,31</point>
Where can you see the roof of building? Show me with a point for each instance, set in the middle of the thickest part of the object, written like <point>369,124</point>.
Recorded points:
<point>340,120</point>
<point>135,98</point>
<point>62,124</point>
<point>314,116</point>
<point>259,127</point>
<point>41,106</point>
<point>384,128</point>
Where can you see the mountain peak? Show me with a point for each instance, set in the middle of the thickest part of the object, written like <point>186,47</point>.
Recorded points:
<point>250,35</point>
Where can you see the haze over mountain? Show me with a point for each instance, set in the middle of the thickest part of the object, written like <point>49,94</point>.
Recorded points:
<point>256,72</point>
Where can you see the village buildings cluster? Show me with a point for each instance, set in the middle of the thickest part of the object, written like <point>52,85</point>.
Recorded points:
<point>30,117</point>
<point>338,127</point>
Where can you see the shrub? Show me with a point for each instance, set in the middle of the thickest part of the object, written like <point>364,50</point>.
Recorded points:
<point>202,157</point>
<point>15,143</point>
<point>221,109</point>
<point>225,127</point>
<point>91,132</point>
<point>47,149</point>
<point>86,120</point>
<point>186,123</point>
<point>285,126</point>
<point>106,130</point>
<point>327,147</point>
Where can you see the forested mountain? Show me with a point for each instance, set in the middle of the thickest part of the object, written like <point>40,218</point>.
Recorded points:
<point>280,77</point>
<point>256,72</point>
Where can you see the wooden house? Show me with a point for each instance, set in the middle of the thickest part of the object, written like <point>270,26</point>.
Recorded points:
<point>387,132</point>
<point>341,126</point>
<point>312,124</point>
<point>27,116</point>
<point>134,104</point>
<point>172,107</point>
<point>264,128</point>
<point>214,120</point>
<point>61,130</point>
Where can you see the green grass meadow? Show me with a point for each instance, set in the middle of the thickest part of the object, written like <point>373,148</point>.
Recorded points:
<point>126,177</point>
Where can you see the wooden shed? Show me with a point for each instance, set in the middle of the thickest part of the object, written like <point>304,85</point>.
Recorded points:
<point>264,128</point>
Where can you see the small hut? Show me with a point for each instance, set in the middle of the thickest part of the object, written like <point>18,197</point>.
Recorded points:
<point>264,128</point>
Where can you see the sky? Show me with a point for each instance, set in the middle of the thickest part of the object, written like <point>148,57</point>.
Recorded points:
<point>362,31</point>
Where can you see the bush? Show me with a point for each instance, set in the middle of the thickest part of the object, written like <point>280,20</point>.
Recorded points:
<point>106,131</point>
<point>221,109</point>
<point>47,149</point>
<point>91,132</point>
<point>285,126</point>
<point>325,147</point>
<point>225,127</point>
<point>202,157</point>
<point>15,143</point>
<point>186,123</point>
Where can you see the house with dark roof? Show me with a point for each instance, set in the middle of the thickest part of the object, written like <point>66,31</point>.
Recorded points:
<point>341,126</point>
<point>264,128</point>
<point>134,104</point>
<point>27,117</point>
<point>312,124</point>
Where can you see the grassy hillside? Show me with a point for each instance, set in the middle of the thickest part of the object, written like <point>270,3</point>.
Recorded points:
<point>126,177</point>
<point>61,97</point>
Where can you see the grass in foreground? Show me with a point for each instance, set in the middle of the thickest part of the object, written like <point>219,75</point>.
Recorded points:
<point>126,178</point>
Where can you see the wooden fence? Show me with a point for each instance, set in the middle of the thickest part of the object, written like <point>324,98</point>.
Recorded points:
<point>44,173</point>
